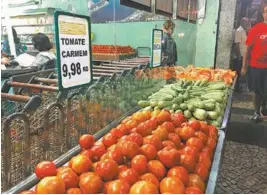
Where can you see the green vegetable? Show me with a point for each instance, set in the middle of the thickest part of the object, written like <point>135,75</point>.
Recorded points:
<point>163,104</point>
<point>157,108</point>
<point>199,104</point>
<point>200,114</point>
<point>219,85</point>
<point>187,114</point>
<point>143,104</point>
<point>178,111</point>
<point>148,108</point>
<point>212,115</point>
<point>190,107</point>
<point>209,106</point>
<point>177,100</point>
<point>183,106</point>
<point>153,103</point>
<point>186,95</point>
<point>175,106</point>
<point>192,119</point>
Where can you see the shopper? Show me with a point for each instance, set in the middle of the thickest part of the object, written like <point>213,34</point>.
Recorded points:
<point>42,43</point>
<point>169,45</point>
<point>256,53</point>
<point>20,49</point>
<point>240,47</point>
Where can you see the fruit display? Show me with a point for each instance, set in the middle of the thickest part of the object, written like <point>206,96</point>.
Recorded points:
<point>112,49</point>
<point>197,100</point>
<point>147,153</point>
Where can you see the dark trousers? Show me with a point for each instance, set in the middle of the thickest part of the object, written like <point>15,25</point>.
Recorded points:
<point>237,66</point>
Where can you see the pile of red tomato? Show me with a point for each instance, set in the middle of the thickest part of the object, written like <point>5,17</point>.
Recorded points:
<point>112,49</point>
<point>148,153</point>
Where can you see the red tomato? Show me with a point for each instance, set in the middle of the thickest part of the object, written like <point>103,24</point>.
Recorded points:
<point>188,162</point>
<point>150,177</point>
<point>126,119</point>
<point>175,139</point>
<point>130,125</point>
<point>95,165</point>
<point>139,163</point>
<point>195,125</point>
<point>186,132</point>
<point>195,142</point>
<point>117,187</point>
<point>154,140</point>
<point>172,185</point>
<point>180,172</point>
<point>204,127</point>
<point>206,151</point>
<point>98,151</point>
<point>191,150</point>
<point>169,157</point>
<point>109,140</point>
<point>63,169</point>
<point>141,129</point>
<point>156,168</point>
<point>86,141</point>
<point>149,150</point>
<point>28,192</point>
<point>144,187</point>
<point>161,133</point>
<point>213,130</point>
<point>74,191</point>
<point>129,149</point>
<point>139,117</point>
<point>177,130</point>
<point>107,169</point>
<point>163,116</point>
<point>115,155</point>
<point>80,164</point>
<point>87,153</point>
<point>45,168</point>
<point>205,160</point>
<point>153,122</point>
<point>155,113</point>
<point>51,185</point>
<point>90,183</point>
<point>193,190</point>
<point>122,128</point>
<point>135,137</point>
<point>169,126</point>
<point>202,171</point>
<point>70,179</point>
<point>118,133</point>
<point>177,119</point>
<point>211,143</point>
<point>196,181</point>
<point>168,143</point>
<point>130,176</point>
<point>122,168</point>
<point>202,136</point>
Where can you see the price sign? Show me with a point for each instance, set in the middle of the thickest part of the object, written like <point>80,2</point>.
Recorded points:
<point>156,56</point>
<point>73,36</point>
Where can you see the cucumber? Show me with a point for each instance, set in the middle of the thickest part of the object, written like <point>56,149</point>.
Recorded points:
<point>143,104</point>
<point>177,100</point>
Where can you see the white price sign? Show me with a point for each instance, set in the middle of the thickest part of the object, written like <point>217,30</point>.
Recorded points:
<point>156,48</point>
<point>73,50</point>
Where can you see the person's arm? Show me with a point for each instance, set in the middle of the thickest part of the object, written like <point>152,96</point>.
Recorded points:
<point>245,60</point>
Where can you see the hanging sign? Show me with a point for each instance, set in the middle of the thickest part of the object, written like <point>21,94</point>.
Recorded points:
<point>73,45</point>
<point>156,56</point>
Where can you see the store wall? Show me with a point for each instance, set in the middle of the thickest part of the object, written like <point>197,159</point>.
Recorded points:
<point>138,34</point>
<point>206,36</point>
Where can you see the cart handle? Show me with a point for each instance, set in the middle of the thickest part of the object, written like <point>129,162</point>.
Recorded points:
<point>45,80</point>
<point>35,86</point>
<point>16,98</point>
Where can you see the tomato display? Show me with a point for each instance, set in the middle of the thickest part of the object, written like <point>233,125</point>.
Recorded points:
<point>186,133</point>
<point>156,168</point>
<point>70,178</point>
<point>139,164</point>
<point>135,137</point>
<point>80,164</point>
<point>154,140</point>
<point>168,143</point>
<point>177,119</point>
<point>129,149</point>
<point>180,172</point>
<point>169,126</point>
<point>191,150</point>
<point>107,169</point>
<point>172,185</point>
<point>193,190</point>
<point>28,192</point>
<point>144,187</point>
<point>90,183</point>
<point>51,185</point>
<point>109,140</point>
<point>161,132</point>
<point>149,150</point>
<point>45,168</point>
<point>196,181</point>
<point>114,154</point>
<point>163,116</point>
<point>130,176</point>
<point>117,187</point>
<point>169,157</point>
<point>202,171</point>
<point>195,142</point>
<point>188,162</point>
<point>86,141</point>
<point>175,139</point>
<point>98,151</point>
<point>74,191</point>
<point>150,177</point>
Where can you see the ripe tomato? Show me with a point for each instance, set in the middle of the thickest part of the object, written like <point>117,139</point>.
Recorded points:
<point>139,117</point>
<point>178,119</point>
<point>129,149</point>
<point>180,172</point>
<point>155,113</point>
<point>86,141</point>
<point>51,185</point>
<point>195,180</point>
<point>130,176</point>
<point>122,168</point>
<point>161,133</point>
<point>186,132</point>
<point>213,130</point>
<point>193,190</point>
<point>70,179</point>
<point>135,137</point>
<point>191,150</point>
<point>156,168</point>
<point>195,125</point>
<point>63,169</point>
<point>153,122</point>
<point>150,177</point>
<point>169,126</point>
<point>168,143</point>
<point>109,140</point>
<point>74,191</point>
<point>206,151</point>
<point>202,136</point>
<point>177,131</point>
<point>90,183</point>
<point>126,119</point>
<point>80,164</point>
<point>28,192</point>
<point>149,151</point>
<point>211,143</point>
<point>163,116</point>
<point>169,157</point>
<point>154,140</point>
<point>118,133</point>
<point>144,187</point>
<point>87,153</point>
<point>130,125</point>
<point>148,128</point>
<point>107,169</point>
<point>114,154</point>
<point>188,162</point>
<point>205,160</point>
<point>95,165</point>
<point>146,114</point>
<point>204,127</point>
<point>172,185</point>
<point>202,171</point>
<point>117,187</point>
<point>98,151</point>
<point>175,139</point>
<point>195,142</point>
<point>122,128</point>
<point>45,168</point>
<point>139,163</point>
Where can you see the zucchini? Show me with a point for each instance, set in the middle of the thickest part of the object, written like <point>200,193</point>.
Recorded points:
<point>177,100</point>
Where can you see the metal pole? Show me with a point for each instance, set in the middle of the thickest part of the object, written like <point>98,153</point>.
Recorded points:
<point>9,29</point>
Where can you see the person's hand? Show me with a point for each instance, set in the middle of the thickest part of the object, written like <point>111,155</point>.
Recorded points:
<point>4,61</point>
<point>244,71</point>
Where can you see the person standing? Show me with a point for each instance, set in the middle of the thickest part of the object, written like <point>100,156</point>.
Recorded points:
<point>256,54</point>
<point>240,47</point>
